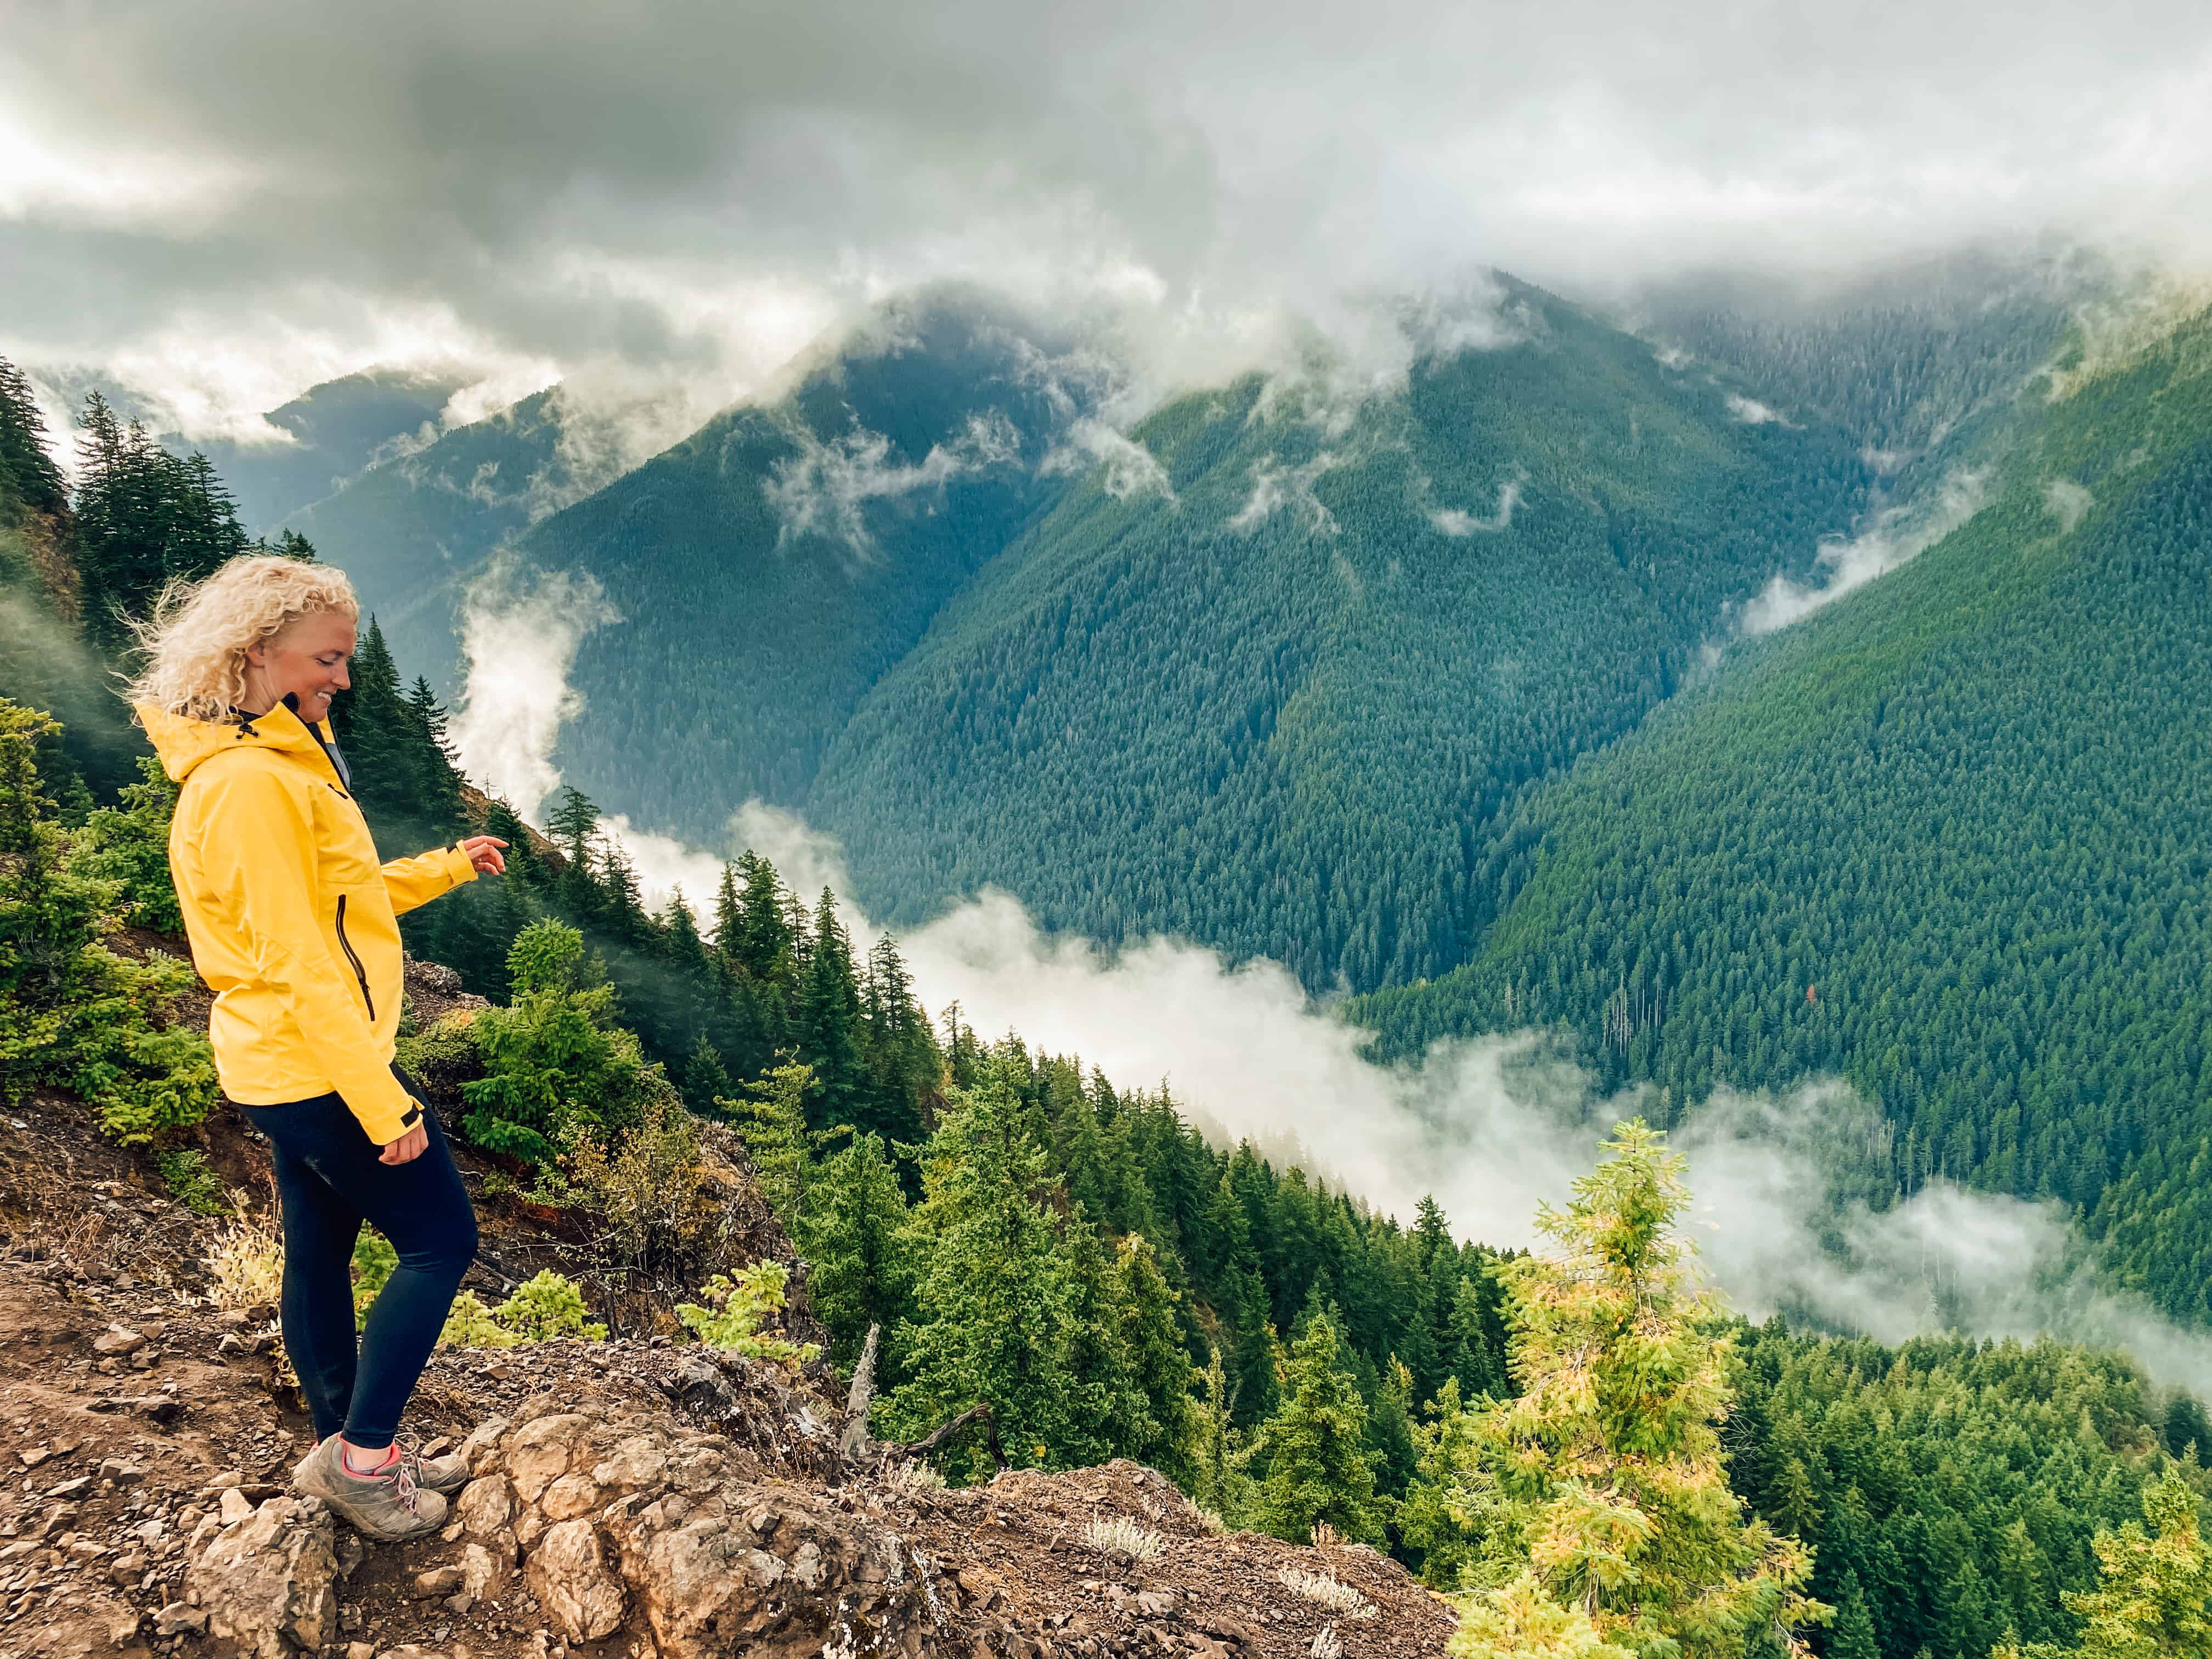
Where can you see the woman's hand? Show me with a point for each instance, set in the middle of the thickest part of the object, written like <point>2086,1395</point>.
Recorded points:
<point>410,1145</point>
<point>483,852</point>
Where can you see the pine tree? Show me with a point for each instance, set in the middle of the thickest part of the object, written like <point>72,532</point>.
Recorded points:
<point>1218,1457</point>
<point>862,1272</point>
<point>2152,1586</point>
<point>705,1081</point>
<point>1851,1635</point>
<point>1315,1449</point>
<point>1158,1366</point>
<point>770,1115</point>
<point>993,1288</point>
<point>1606,1514</point>
<point>27,468</point>
<point>825,1028</point>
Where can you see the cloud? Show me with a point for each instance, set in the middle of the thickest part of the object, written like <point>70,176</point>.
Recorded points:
<point>1899,535</point>
<point>1948,1257</point>
<point>519,634</point>
<point>1752,412</point>
<point>1125,467</point>
<point>1453,521</point>
<point>1276,488</point>
<point>824,489</point>
<point>2068,501</point>
<point>674,188</point>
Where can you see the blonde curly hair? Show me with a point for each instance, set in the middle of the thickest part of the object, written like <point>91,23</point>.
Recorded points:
<point>194,644</point>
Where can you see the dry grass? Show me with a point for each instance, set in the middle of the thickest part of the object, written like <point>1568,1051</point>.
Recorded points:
<point>1325,1591</point>
<point>246,1261</point>
<point>911,1480</point>
<point>1126,1539</point>
<point>1326,1644</point>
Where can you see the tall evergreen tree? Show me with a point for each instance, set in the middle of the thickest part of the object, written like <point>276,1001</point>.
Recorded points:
<point>1315,1447</point>
<point>993,1288</point>
<point>1608,1511</point>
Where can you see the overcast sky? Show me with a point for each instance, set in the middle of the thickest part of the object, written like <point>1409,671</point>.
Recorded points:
<point>221,204</point>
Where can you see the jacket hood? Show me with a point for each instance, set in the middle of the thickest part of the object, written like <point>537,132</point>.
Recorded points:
<point>184,743</point>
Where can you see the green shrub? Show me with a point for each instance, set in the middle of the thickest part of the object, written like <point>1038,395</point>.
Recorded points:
<point>185,1173</point>
<point>544,1309</point>
<point>129,845</point>
<point>374,1260</point>
<point>72,1013</point>
<point>556,1065</point>
<point>741,1301</point>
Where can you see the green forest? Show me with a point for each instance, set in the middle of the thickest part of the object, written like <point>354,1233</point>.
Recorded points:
<point>1027,1232</point>
<point>1944,841</point>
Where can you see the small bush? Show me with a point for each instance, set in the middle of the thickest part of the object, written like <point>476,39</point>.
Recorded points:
<point>1125,1540</point>
<point>185,1173</point>
<point>1326,1644</point>
<point>245,1260</point>
<point>547,1307</point>
<point>647,1187</point>
<point>471,1325</point>
<point>544,1309</point>
<point>374,1259</point>
<point>733,1323</point>
<point>129,848</point>
<point>1325,1591</point>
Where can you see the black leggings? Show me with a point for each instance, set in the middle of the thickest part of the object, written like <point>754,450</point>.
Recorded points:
<point>330,1181</point>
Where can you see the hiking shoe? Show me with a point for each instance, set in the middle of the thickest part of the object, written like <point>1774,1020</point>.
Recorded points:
<point>444,1475</point>
<point>388,1504</point>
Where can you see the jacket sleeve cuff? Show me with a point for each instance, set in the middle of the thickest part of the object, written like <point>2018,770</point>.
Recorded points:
<point>391,1114</point>
<point>458,864</point>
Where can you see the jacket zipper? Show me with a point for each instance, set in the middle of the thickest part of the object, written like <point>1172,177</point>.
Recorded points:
<point>359,972</point>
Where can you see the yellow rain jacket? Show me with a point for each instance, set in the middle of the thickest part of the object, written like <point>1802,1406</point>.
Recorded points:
<point>291,921</point>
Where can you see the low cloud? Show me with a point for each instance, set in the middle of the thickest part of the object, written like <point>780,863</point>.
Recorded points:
<point>519,634</point>
<point>824,491</point>
<point>1752,412</point>
<point>2068,501</point>
<point>1277,487</point>
<point>1899,534</point>
<point>1453,521</point>
<point>1125,468</point>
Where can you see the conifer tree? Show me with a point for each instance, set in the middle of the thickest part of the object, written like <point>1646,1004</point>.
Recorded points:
<point>993,1288</point>
<point>27,468</point>
<point>1157,1364</point>
<point>705,1083</point>
<point>2152,1586</point>
<point>770,1115</point>
<point>1851,1635</point>
<point>1218,1455</point>
<point>825,1027</point>
<point>1315,1447</point>
<point>1603,1512</point>
<point>862,1273</point>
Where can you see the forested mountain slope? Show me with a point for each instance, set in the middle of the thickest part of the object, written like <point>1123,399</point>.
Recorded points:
<point>769,568</point>
<point>337,430</point>
<point>1946,839</point>
<point>412,531</point>
<point>1268,700</point>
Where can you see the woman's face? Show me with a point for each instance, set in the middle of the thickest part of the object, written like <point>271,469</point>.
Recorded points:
<point>306,660</point>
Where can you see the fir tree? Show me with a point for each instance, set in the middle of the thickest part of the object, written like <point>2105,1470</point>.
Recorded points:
<point>993,1288</point>
<point>1314,1447</point>
<point>855,1240</point>
<point>2152,1586</point>
<point>1605,1509</point>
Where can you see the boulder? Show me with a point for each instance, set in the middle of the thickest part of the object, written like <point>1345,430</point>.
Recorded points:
<point>648,1524</point>
<point>268,1579</point>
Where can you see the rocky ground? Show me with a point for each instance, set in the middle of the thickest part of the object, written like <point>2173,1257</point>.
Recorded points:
<point>636,1496</point>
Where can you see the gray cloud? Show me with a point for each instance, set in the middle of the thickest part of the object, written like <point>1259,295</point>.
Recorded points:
<point>219,203</point>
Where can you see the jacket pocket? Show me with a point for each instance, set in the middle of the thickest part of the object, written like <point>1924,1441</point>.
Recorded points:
<point>360,973</point>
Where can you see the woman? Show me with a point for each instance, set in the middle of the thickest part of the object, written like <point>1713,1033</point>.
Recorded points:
<point>293,924</point>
